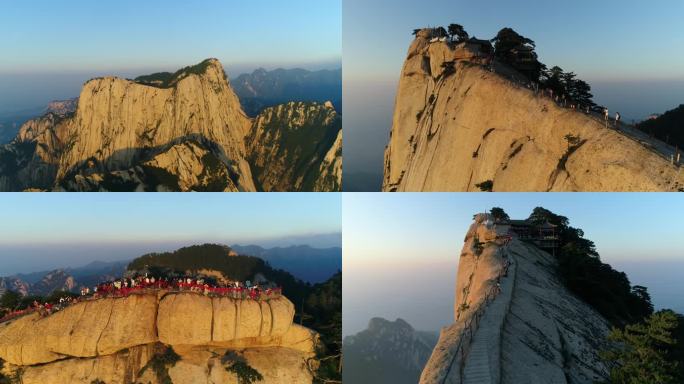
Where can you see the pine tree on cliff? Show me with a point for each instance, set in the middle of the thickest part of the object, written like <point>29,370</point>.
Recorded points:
<point>458,31</point>
<point>499,214</point>
<point>517,51</point>
<point>643,351</point>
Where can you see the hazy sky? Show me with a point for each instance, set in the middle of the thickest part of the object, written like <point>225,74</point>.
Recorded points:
<point>400,251</point>
<point>85,38</point>
<point>44,231</point>
<point>628,50</point>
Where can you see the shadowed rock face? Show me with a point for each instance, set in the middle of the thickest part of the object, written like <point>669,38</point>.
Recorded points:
<point>296,145</point>
<point>452,130</point>
<point>517,324</point>
<point>184,132</point>
<point>111,339</point>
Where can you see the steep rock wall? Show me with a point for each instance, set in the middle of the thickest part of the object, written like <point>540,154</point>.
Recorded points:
<point>290,144</point>
<point>185,133</point>
<point>106,326</point>
<point>330,170</point>
<point>515,324</point>
<point>454,129</point>
<point>117,120</point>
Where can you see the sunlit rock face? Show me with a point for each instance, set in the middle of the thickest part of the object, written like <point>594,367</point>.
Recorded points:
<point>180,132</point>
<point>516,323</point>
<point>111,339</point>
<point>453,130</point>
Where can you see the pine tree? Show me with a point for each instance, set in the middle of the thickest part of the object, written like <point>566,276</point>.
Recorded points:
<point>641,354</point>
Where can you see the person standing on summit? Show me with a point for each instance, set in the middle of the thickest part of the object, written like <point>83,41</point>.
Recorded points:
<point>617,119</point>
<point>605,116</point>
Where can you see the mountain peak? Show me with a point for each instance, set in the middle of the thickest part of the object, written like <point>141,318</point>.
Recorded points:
<point>466,122</point>
<point>512,307</point>
<point>207,67</point>
<point>379,323</point>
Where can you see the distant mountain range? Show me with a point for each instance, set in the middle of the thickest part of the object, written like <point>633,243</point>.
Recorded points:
<point>69,279</point>
<point>261,88</point>
<point>11,122</point>
<point>387,352</point>
<point>314,265</point>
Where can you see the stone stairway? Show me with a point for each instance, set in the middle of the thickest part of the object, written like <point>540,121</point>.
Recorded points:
<point>478,367</point>
<point>482,365</point>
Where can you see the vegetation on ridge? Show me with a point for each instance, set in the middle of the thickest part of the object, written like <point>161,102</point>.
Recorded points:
<point>598,284</point>
<point>580,268</point>
<point>518,52</point>
<point>667,127</point>
<point>168,79</point>
<point>647,352</point>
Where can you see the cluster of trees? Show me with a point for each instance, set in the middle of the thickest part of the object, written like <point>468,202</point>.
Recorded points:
<point>455,32</point>
<point>508,46</point>
<point>499,214</point>
<point>517,51</point>
<point>567,83</point>
<point>651,351</point>
<point>323,312</point>
<point>168,79</point>
<point>667,127</point>
<point>595,282</point>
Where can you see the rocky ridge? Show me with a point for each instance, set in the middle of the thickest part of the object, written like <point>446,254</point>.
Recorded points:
<point>185,132</point>
<point>458,126</point>
<point>111,339</point>
<point>515,324</point>
<point>386,352</point>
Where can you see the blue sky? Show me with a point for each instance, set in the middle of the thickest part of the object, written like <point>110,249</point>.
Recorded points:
<point>43,231</point>
<point>44,35</point>
<point>598,40</point>
<point>50,48</point>
<point>413,240</point>
<point>629,51</point>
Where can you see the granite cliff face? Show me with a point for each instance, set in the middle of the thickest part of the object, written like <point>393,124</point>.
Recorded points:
<point>515,323</point>
<point>458,125</point>
<point>290,146</point>
<point>112,339</point>
<point>181,132</point>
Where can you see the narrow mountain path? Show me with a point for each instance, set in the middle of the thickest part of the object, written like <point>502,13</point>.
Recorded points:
<point>483,362</point>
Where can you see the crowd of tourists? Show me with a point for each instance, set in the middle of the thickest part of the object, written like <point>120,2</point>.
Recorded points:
<point>235,289</point>
<point>140,284</point>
